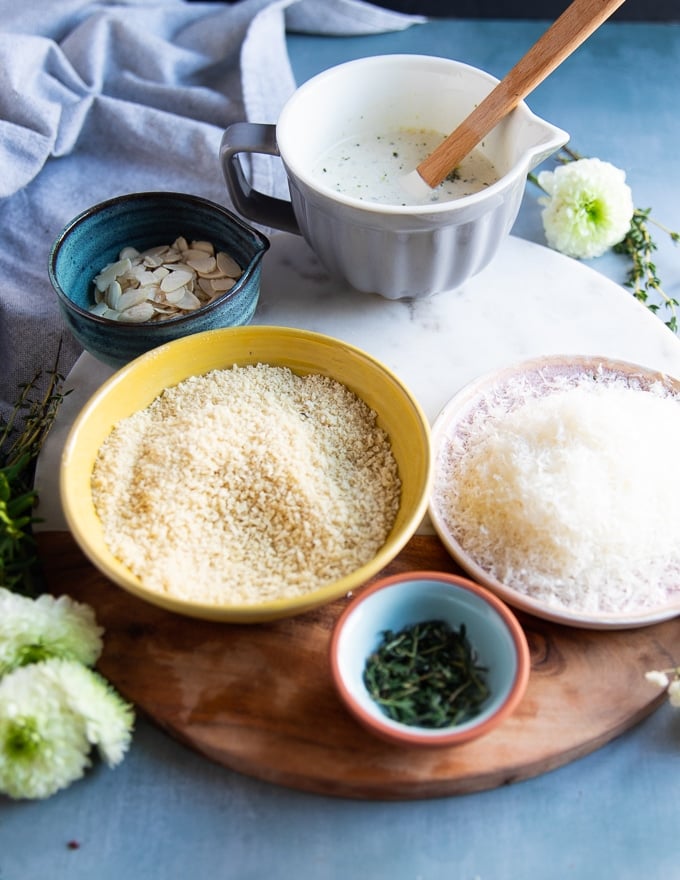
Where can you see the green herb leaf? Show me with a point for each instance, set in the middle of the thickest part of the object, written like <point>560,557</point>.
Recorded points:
<point>426,675</point>
<point>21,439</point>
<point>642,278</point>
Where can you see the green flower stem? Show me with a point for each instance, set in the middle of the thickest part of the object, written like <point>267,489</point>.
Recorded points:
<point>531,177</point>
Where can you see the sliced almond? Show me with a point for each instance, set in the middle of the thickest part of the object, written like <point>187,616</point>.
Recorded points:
<point>203,265</point>
<point>111,272</point>
<point>163,282</point>
<point>228,265</point>
<point>220,285</point>
<point>174,297</point>
<point>189,302</point>
<point>113,294</point>
<point>173,280</point>
<point>138,314</point>
<point>132,297</point>
<point>205,246</point>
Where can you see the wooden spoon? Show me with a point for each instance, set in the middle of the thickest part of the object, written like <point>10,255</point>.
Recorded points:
<point>563,37</point>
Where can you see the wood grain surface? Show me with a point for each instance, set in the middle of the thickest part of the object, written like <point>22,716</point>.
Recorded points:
<point>259,698</point>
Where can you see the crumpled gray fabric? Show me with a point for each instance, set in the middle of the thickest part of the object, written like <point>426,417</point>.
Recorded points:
<point>99,99</point>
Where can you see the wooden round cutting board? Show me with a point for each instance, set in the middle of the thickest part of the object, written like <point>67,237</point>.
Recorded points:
<point>259,698</point>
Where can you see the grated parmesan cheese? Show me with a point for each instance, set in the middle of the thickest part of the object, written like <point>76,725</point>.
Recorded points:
<point>247,484</point>
<point>568,497</point>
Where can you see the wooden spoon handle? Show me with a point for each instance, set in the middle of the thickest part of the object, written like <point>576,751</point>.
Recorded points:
<point>562,38</point>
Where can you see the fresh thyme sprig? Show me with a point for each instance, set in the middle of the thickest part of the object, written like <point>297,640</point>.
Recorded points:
<point>642,279</point>
<point>638,246</point>
<point>21,438</point>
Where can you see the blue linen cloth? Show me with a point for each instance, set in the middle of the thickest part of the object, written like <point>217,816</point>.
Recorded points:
<point>100,99</point>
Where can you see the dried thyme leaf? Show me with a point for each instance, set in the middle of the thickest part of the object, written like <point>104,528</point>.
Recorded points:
<point>426,675</point>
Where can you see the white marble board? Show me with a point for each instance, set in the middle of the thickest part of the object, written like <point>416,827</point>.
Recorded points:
<point>529,301</point>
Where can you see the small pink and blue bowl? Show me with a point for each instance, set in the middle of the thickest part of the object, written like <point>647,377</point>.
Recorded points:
<point>396,603</point>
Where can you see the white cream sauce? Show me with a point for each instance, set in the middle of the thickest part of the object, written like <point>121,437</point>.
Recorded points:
<point>369,167</point>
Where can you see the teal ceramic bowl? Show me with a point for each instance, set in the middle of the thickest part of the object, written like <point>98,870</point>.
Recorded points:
<point>95,238</point>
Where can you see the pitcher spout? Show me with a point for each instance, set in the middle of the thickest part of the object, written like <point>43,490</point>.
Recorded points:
<point>536,140</point>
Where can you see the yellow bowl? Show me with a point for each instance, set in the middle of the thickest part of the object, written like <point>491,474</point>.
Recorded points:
<point>134,387</point>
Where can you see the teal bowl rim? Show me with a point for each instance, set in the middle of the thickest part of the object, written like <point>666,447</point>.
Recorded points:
<point>261,242</point>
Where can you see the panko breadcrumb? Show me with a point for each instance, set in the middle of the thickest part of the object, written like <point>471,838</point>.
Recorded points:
<point>245,485</point>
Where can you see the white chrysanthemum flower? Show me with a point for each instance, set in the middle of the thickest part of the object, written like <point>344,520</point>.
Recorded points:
<point>588,207</point>
<point>43,743</point>
<point>674,693</point>
<point>657,677</point>
<point>32,630</point>
<point>108,719</point>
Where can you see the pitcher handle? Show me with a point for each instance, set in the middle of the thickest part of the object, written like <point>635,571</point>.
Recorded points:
<point>253,137</point>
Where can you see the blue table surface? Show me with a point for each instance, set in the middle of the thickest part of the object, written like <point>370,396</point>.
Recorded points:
<point>168,813</point>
